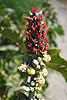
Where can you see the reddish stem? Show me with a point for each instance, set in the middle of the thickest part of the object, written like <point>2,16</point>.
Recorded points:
<point>28,80</point>
<point>16,43</point>
<point>3,73</point>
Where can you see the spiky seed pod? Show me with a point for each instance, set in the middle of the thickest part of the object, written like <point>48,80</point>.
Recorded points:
<point>36,31</point>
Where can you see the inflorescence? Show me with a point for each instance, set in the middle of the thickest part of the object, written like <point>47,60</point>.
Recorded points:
<point>36,31</point>
<point>36,44</point>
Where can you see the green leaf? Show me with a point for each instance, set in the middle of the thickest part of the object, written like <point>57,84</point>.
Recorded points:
<point>9,47</point>
<point>10,92</point>
<point>57,63</point>
<point>59,30</point>
<point>14,36</point>
<point>9,84</point>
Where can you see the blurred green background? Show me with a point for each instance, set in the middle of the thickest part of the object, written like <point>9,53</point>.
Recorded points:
<point>11,55</point>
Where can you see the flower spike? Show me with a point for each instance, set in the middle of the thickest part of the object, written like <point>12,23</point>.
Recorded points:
<point>34,63</point>
<point>36,32</point>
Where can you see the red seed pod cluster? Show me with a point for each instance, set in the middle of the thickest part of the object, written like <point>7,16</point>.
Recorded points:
<point>36,31</point>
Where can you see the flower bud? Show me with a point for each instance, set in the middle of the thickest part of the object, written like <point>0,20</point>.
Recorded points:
<point>26,88</point>
<point>46,58</point>
<point>32,83</point>
<point>31,71</point>
<point>45,72</point>
<point>38,87</point>
<point>38,95</point>
<point>35,62</point>
<point>39,59</point>
<point>40,79</point>
<point>32,89</point>
<point>23,67</point>
<point>38,67</point>
<point>42,64</point>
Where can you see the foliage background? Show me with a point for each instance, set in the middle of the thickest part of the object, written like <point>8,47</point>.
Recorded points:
<point>11,55</point>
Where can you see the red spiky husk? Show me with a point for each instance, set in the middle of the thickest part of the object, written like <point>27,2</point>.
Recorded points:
<point>36,31</point>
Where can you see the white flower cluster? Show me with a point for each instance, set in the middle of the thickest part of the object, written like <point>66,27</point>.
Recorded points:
<point>39,64</point>
<point>40,73</point>
<point>40,61</point>
<point>31,71</point>
<point>44,72</point>
<point>38,95</point>
<point>40,79</point>
<point>46,57</point>
<point>23,67</point>
<point>38,87</point>
<point>35,62</point>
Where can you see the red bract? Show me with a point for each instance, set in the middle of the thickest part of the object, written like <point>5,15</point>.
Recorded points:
<point>44,26</point>
<point>34,49</point>
<point>34,28</point>
<point>39,35</point>
<point>30,45</point>
<point>47,47</point>
<point>44,35</point>
<point>29,31</point>
<point>39,23</point>
<point>38,17</point>
<point>34,10</point>
<point>32,20</point>
<point>42,45</point>
<point>35,41</point>
<point>47,29</point>
<point>40,50</point>
<point>27,28</point>
<point>41,15</point>
<point>46,40</point>
<point>28,37</point>
<point>26,17</point>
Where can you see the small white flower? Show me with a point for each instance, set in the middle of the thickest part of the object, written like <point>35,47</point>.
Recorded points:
<point>35,62</point>
<point>26,88</point>
<point>42,64</point>
<point>38,95</point>
<point>31,71</point>
<point>44,72</point>
<point>38,67</point>
<point>31,98</point>
<point>23,67</point>
<point>38,87</point>
<point>40,79</point>
<point>46,58</point>
<point>32,83</point>
<point>39,59</point>
<point>32,89</point>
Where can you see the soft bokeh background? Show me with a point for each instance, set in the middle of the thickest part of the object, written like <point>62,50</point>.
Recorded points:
<point>57,89</point>
<point>11,56</point>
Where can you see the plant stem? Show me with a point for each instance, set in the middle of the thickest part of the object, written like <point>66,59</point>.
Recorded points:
<point>28,80</point>
<point>3,73</point>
